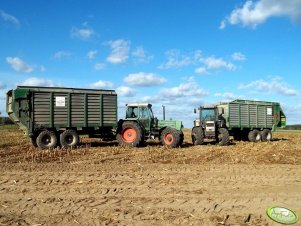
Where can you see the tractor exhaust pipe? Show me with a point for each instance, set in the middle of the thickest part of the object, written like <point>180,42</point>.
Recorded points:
<point>163,112</point>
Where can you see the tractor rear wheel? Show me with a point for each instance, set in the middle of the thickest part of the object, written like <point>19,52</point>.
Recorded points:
<point>197,136</point>
<point>47,139</point>
<point>130,134</point>
<point>223,137</point>
<point>254,135</point>
<point>266,135</point>
<point>69,138</point>
<point>170,137</point>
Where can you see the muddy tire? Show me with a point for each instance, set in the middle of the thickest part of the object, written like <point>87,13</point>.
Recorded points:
<point>46,139</point>
<point>33,141</point>
<point>170,137</point>
<point>223,137</point>
<point>254,135</point>
<point>266,135</point>
<point>69,138</point>
<point>181,137</point>
<point>130,134</point>
<point>197,136</point>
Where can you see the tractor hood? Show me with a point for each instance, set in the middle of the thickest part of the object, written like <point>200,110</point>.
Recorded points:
<point>170,123</point>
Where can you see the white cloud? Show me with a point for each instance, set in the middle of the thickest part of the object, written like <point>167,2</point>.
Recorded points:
<point>141,56</point>
<point>19,65</point>
<point>2,85</point>
<point>82,33</point>
<point>101,84</point>
<point>9,18</point>
<point>34,81</point>
<point>228,96</point>
<point>253,13</point>
<point>185,89</point>
<point>144,79</point>
<point>176,60</point>
<point>275,85</point>
<point>201,71</point>
<point>91,54</point>
<point>238,56</point>
<point>125,91</point>
<point>218,63</point>
<point>99,66</point>
<point>120,51</point>
<point>62,54</point>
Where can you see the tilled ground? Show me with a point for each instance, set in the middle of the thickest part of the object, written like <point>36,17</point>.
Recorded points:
<point>101,183</point>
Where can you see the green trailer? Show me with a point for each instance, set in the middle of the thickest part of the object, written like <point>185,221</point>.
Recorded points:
<point>252,120</point>
<point>53,116</point>
<point>242,119</point>
<point>46,113</point>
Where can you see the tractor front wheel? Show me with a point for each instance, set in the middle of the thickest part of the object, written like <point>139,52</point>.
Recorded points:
<point>171,137</point>
<point>130,134</point>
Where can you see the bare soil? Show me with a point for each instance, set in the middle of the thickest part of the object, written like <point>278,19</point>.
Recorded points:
<point>103,184</point>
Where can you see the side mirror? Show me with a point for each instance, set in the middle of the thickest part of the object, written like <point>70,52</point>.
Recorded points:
<point>194,110</point>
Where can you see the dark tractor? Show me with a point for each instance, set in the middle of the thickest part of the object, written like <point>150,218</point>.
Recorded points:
<point>140,125</point>
<point>210,125</point>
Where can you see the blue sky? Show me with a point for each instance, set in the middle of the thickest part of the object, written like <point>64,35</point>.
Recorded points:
<point>180,54</point>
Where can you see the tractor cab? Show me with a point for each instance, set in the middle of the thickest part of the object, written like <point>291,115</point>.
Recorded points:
<point>141,113</point>
<point>210,119</point>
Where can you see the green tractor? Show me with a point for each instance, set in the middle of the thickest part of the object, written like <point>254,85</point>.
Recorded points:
<point>140,125</point>
<point>210,125</point>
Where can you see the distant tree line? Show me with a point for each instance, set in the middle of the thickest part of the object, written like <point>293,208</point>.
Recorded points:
<point>293,127</point>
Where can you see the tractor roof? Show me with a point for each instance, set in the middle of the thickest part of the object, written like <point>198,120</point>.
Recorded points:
<point>139,105</point>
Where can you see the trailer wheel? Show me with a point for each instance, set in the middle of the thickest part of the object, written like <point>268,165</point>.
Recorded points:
<point>170,137</point>
<point>223,137</point>
<point>197,136</point>
<point>47,139</point>
<point>69,138</point>
<point>254,135</point>
<point>33,140</point>
<point>266,135</point>
<point>130,134</point>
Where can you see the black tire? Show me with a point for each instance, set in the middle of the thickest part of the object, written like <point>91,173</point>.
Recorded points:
<point>197,135</point>
<point>69,138</point>
<point>46,139</point>
<point>254,135</point>
<point>170,137</point>
<point>33,140</point>
<point>266,135</point>
<point>223,137</point>
<point>130,134</point>
<point>181,138</point>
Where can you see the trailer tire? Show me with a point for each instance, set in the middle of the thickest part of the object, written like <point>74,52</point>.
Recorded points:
<point>266,135</point>
<point>197,135</point>
<point>254,135</point>
<point>130,134</point>
<point>223,137</point>
<point>46,139</point>
<point>69,138</point>
<point>170,137</point>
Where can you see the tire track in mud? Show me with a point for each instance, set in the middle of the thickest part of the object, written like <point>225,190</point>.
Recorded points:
<point>144,194</point>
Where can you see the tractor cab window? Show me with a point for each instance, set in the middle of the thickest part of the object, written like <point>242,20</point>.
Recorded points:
<point>132,112</point>
<point>144,113</point>
<point>208,114</point>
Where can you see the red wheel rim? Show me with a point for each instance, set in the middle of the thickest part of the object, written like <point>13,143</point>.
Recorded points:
<point>129,135</point>
<point>168,138</point>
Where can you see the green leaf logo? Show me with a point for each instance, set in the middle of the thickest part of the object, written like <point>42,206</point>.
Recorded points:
<point>282,215</point>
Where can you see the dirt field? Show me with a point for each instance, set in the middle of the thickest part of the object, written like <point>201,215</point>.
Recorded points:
<point>103,184</point>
